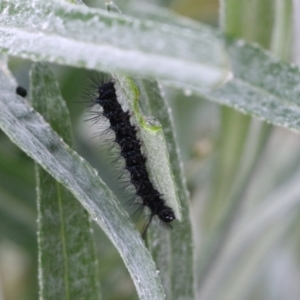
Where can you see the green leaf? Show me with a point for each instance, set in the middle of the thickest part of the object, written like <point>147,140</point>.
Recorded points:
<point>33,135</point>
<point>75,35</point>
<point>237,20</point>
<point>68,266</point>
<point>173,251</point>
<point>240,19</point>
<point>262,86</point>
<point>240,152</point>
<point>250,20</point>
<point>83,37</point>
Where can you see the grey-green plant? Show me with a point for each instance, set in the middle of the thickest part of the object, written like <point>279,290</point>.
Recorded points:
<point>242,212</point>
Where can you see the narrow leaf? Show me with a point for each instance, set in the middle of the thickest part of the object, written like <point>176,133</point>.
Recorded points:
<point>261,86</point>
<point>241,19</point>
<point>250,20</point>
<point>67,259</point>
<point>181,271</point>
<point>83,37</point>
<point>33,135</point>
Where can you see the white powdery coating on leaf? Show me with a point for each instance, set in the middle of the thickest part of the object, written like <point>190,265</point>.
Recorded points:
<point>158,162</point>
<point>82,37</point>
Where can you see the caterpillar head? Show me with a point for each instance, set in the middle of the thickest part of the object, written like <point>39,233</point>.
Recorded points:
<point>166,215</point>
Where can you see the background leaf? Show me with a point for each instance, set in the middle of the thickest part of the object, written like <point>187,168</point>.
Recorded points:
<point>242,142</point>
<point>68,266</point>
<point>179,260</point>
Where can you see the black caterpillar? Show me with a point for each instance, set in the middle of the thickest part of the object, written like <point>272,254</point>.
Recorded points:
<point>130,150</point>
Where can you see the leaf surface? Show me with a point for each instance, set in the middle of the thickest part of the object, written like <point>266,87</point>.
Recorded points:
<point>68,266</point>
<point>33,135</point>
<point>95,39</point>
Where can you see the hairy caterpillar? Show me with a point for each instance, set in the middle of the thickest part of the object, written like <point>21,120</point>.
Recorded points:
<point>125,136</point>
